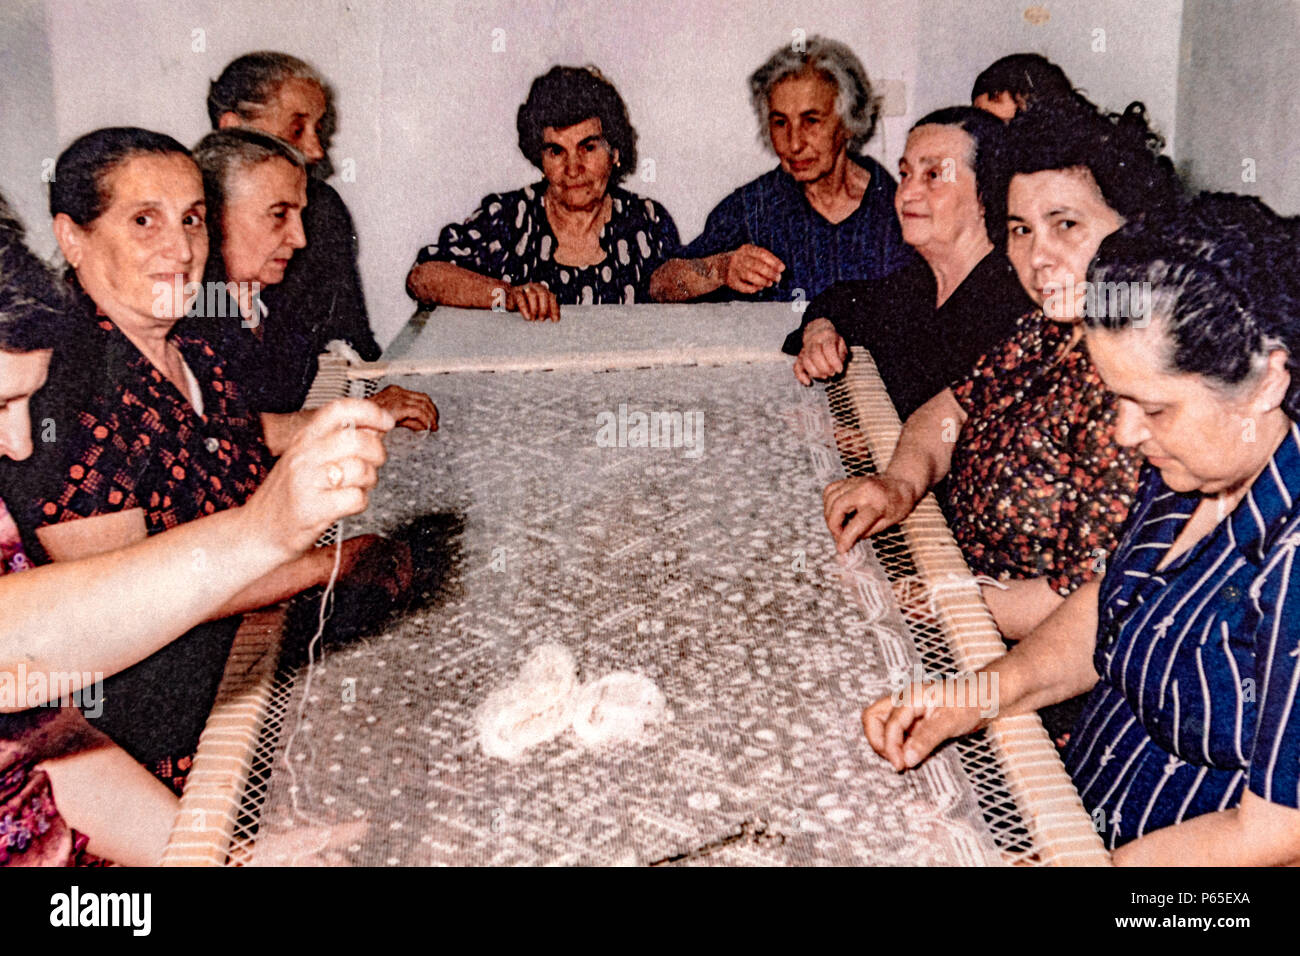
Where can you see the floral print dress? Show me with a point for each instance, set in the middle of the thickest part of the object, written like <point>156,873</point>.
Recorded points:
<point>1038,486</point>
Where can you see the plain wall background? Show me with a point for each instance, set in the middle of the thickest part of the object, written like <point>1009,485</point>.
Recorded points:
<point>427,105</point>
<point>1239,99</point>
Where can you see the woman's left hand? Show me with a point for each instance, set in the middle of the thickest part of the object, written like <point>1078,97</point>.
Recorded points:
<point>413,410</point>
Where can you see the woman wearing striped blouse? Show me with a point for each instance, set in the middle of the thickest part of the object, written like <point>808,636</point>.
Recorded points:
<point>1188,749</point>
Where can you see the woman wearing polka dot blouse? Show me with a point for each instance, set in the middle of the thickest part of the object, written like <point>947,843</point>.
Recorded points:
<point>575,237</point>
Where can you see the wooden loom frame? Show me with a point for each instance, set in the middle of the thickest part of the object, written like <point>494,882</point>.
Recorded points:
<point>1028,763</point>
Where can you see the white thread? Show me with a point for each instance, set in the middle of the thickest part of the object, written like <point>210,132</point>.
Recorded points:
<point>618,707</point>
<point>323,616</point>
<point>534,708</point>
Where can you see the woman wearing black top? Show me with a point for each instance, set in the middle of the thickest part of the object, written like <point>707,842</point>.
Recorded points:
<point>926,324</point>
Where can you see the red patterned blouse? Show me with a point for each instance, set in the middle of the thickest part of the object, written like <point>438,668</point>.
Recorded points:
<point>1038,487</point>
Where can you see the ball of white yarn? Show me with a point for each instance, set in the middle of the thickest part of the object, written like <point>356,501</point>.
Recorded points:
<point>532,709</point>
<point>618,707</point>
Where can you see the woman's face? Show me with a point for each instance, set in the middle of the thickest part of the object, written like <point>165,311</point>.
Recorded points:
<point>150,241</point>
<point>1202,439</point>
<point>1056,220</point>
<point>261,222</point>
<point>21,376</point>
<point>806,131</point>
<point>294,114</point>
<point>936,200</point>
<point>577,163</point>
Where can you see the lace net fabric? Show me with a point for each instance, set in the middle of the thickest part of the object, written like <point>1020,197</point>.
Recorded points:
<point>712,575</point>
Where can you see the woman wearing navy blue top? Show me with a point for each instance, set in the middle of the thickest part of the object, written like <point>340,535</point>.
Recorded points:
<point>825,215</point>
<point>1188,749</point>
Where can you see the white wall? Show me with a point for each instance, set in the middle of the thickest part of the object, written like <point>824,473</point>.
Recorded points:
<point>427,108</point>
<point>1239,99</point>
<point>1117,51</point>
<point>28,135</point>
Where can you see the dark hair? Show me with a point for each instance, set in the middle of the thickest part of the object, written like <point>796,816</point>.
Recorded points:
<point>79,188</point>
<point>1121,151</point>
<point>31,302</point>
<point>225,152</point>
<point>1223,287</point>
<point>1026,76</point>
<point>567,95</point>
<point>986,132</point>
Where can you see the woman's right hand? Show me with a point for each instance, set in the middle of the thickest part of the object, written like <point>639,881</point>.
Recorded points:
<point>534,301</point>
<point>751,268</point>
<point>906,726</point>
<point>823,353</point>
<point>876,502</point>
<point>325,474</point>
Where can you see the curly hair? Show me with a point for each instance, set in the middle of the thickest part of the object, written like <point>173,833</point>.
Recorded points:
<point>31,300</point>
<point>1224,288</point>
<point>567,95</point>
<point>856,103</point>
<point>1120,150</point>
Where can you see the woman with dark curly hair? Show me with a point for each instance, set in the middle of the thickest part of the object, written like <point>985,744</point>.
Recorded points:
<point>1188,748</point>
<point>1036,486</point>
<point>576,237</point>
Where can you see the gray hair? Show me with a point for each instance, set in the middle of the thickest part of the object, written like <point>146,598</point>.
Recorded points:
<point>249,82</point>
<point>222,154</point>
<point>855,102</point>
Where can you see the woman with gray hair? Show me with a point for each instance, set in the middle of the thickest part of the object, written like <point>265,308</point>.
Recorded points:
<point>320,297</point>
<point>256,189</point>
<point>824,215</point>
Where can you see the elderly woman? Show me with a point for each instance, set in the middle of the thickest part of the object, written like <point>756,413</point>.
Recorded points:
<point>102,614</point>
<point>150,428</point>
<point>1036,487</point>
<point>824,215</point>
<point>574,238</point>
<point>961,291</point>
<point>1188,750</point>
<point>320,297</point>
<point>1010,84</point>
<point>256,189</point>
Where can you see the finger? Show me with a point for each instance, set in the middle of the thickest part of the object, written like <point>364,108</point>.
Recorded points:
<point>760,274</point>
<point>897,726</point>
<point>926,734</point>
<point>553,306</point>
<point>873,723</point>
<point>841,349</point>
<point>769,259</point>
<point>349,413</point>
<point>351,472</point>
<point>801,373</point>
<point>832,356</point>
<point>363,443</point>
<point>857,528</point>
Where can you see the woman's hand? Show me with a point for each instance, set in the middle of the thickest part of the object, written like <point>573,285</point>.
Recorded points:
<point>876,502</point>
<point>752,268</point>
<point>413,410</point>
<point>823,353</point>
<point>905,726</point>
<point>533,301</point>
<point>325,474</point>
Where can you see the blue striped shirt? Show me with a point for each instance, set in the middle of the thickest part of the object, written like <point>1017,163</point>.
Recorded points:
<point>772,212</point>
<point>1199,661</point>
